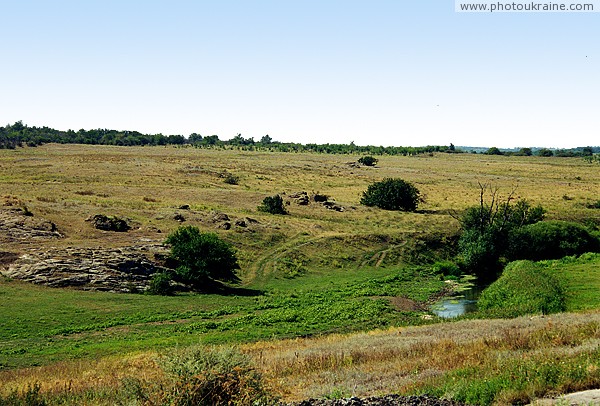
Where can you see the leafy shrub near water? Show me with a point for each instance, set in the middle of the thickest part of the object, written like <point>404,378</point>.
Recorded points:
<point>446,268</point>
<point>551,240</point>
<point>524,288</point>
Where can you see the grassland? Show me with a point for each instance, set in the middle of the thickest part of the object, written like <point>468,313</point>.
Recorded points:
<point>312,272</point>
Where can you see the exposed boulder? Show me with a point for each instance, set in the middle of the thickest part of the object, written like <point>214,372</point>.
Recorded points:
<point>110,223</point>
<point>120,270</point>
<point>17,224</point>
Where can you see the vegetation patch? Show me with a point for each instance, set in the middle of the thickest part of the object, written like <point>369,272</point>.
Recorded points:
<point>524,288</point>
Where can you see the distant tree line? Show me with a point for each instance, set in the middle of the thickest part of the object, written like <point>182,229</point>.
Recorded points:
<point>19,134</point>
<point>546,152</point>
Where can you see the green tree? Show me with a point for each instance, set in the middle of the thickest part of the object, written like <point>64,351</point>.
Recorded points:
<point>392,194</point>
<point>202,258</point>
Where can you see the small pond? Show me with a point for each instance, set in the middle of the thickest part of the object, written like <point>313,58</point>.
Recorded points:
<point>463,302</point>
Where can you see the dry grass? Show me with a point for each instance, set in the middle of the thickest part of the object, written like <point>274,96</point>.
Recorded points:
<point>68,183</point>
<point>400,360</point>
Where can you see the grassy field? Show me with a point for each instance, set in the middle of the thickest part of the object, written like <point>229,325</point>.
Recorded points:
<point>312,272</point>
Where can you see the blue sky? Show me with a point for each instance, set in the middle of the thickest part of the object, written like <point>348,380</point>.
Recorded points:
<point>380,72</point>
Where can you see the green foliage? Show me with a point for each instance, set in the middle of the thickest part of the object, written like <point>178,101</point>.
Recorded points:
<point>391,194</point>
<point>550,240</point>
<point>523,288</point>
<point>446,268</point>
<point>160,284</point>
<point>273,205</point>
<point>486,231</point>
<point>494,151</point>
<point>202,257</point>
<point>368,160</point>
<point>212,376</point>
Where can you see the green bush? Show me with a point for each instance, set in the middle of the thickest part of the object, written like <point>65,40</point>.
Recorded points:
<point>446,268</point>
<point>391,194</point>
<point>368,161</point>
<point>550,240</point>
<point>523,288</point>
<point>202,257</point>
<point>160,284</point>
<point>273,205</point>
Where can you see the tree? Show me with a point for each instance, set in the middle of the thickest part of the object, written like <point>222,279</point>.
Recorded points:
<point>494,151</point>
<point>273,205</point>
<point>202,258</point>
<point>392,194</point>
<point>545,152</point>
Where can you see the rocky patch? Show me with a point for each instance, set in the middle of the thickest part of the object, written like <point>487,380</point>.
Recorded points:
<point>17,224</point>
<point>122,270</point>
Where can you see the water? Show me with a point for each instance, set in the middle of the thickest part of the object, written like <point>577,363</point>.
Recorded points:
<point>462,303</point>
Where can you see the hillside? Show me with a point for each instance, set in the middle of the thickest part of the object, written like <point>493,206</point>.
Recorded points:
<point>320,270</point>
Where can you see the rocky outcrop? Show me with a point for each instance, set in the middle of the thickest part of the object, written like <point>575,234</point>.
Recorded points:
<point>114,270</point>
<point>17,225</point>
<point>109,223</point>
<point>389,400</point>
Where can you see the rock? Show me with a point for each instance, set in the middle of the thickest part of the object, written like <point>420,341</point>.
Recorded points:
<point>179,217</point>
<point>184,207</point>
<point>241,223</point>
<point>333,206</point>
<point>106,223</point>
<point>113,270</point>
<point>15,226</point>
<point>225,226</point>
<point>220,217</point>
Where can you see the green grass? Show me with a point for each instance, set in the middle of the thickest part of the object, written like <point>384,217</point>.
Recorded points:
<point>42,325</point>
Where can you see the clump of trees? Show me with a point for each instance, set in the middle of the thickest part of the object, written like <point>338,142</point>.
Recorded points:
<point>273,205</point>
<point>486,229</point>
<point>498,231</point>
<point>392,194</point>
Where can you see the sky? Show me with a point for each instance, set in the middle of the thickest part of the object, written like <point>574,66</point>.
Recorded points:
<point>377,72</point>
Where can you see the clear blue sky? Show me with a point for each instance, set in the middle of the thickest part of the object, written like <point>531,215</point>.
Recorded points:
<point>379,72</point>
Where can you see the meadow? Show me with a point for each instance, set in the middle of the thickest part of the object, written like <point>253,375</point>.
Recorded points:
<point>317,279</point>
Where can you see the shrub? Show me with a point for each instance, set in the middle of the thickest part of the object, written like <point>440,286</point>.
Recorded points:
<point>202,257</point>
<point>523,288</point>
<point>273,205</point>
<point>446,268</point>
<point>391,194</point>
<point>368,161</point>
<point>550,240</point>
<point>230,178</point>
<point>213,376</point>
<point>160,284</point>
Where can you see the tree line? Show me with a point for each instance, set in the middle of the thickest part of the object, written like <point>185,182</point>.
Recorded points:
<point>19,135</point>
